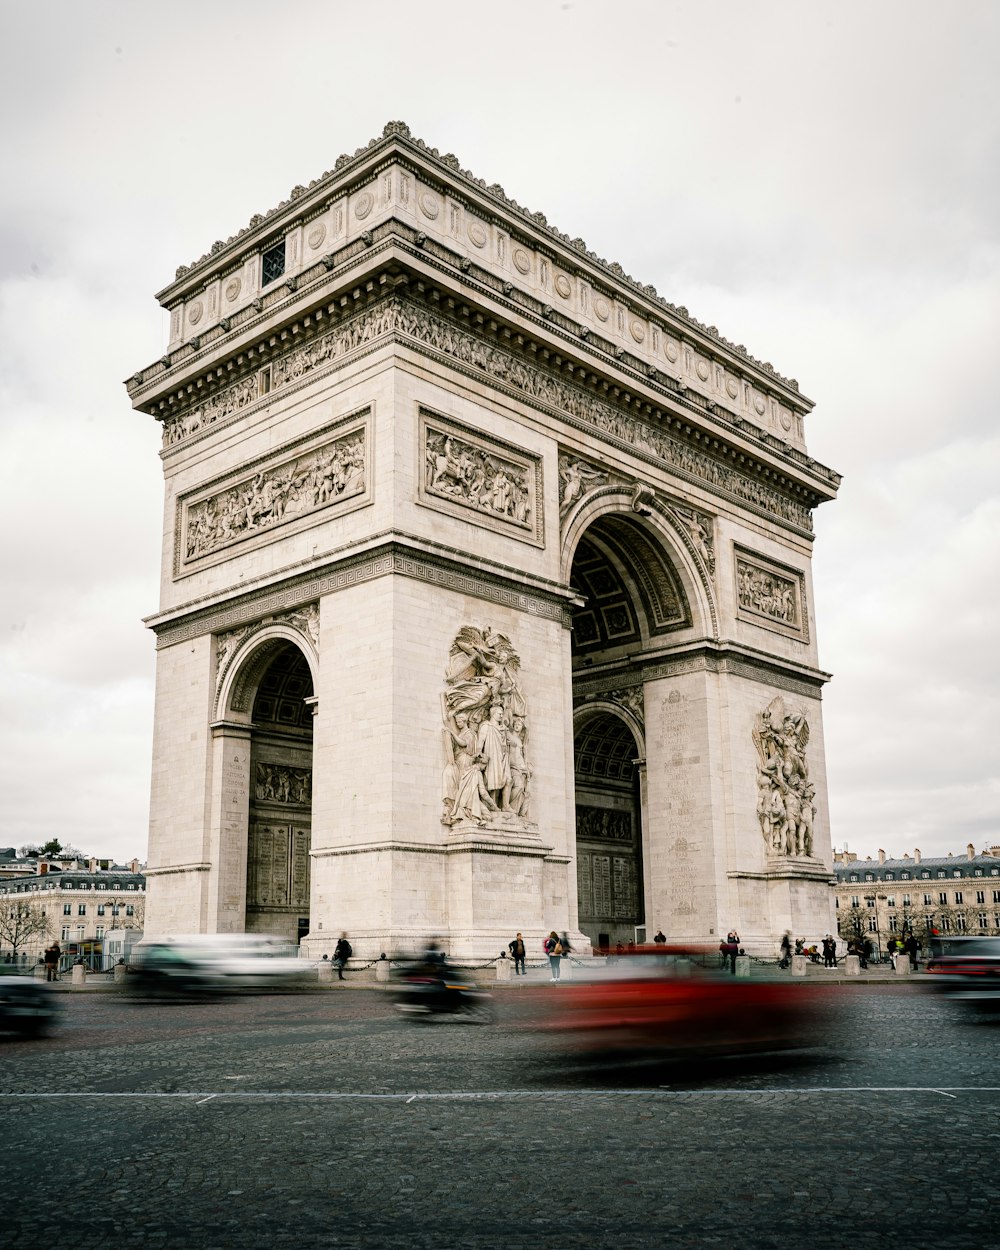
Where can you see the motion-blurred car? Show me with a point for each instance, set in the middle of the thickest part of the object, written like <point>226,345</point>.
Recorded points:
<point>220,963</point>
<point>662,1003</point>
<point>966,968</point>
<point>27,1006</point>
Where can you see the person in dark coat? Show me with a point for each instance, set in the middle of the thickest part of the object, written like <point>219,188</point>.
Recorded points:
<point>341,954</point>
<point>517,953</point>
<point>829,952</point>
<point>51,958</point>
<point>912,948</point>
<point>786,949</point>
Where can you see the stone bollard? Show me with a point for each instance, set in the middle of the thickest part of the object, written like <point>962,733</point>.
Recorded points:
<point>325,971</point>
<point>503,969</point>
<point>382,970</point>
<point>799,965</point>
<point>852,966</point>
<point>120,973</point>
<point>79,975</point>
<point>742,965</point>
<point>902,965</point>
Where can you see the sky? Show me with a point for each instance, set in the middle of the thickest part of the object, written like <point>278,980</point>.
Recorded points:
<point>819,180</point>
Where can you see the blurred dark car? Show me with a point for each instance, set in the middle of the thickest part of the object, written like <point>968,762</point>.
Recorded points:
<point>662,1003</point>
<point>966,968</point>
<point>27,1006</point>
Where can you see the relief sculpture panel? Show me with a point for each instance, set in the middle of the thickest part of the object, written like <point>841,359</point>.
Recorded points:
<point>277,494</point>
<point>467,473</point>
<point>770,595</point>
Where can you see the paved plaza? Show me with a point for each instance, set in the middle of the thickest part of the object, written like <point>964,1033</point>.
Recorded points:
<point>320,1119</point>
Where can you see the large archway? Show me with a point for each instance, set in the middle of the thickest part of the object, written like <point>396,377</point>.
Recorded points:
<point>633,603</point>
<point>279,829</point>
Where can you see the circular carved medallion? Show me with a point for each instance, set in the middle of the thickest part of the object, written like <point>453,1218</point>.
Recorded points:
<point>194,312</point>
<point>671,350</point>
<point>786,419</point>
<point>562,285</point>
<point>701,368</point>
<point>233,288</point>
<point>363,205</point>
<point>759,405</point>
<point>732,389</point>
<point>602,309</point>
<point>428,205</point>
<point>316,235</point>
<point>477,234</point>
<point>638,331</point>
<point>521,259</point>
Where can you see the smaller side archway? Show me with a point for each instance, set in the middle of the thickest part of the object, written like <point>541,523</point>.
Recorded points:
<point>264,758</point>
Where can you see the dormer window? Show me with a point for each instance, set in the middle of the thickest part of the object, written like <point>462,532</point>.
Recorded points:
<point>272,263</point>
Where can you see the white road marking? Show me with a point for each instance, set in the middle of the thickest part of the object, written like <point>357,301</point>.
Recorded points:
<point>949,1091</point>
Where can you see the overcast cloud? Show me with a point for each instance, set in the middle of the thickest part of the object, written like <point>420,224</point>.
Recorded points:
<point>818,180</point>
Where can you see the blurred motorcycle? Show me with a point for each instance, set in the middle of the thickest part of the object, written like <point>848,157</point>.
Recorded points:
<point>441,991</point>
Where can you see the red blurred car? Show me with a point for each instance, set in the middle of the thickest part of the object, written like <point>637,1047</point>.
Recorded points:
<point>661,1002</point>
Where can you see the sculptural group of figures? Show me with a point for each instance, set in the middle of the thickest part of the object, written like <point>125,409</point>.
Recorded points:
<point>280,784</point>
<point>310,482</point>
<point>785,806</point>
<point>487,776</point>
<point>774,596</point>
<point>481,480</point>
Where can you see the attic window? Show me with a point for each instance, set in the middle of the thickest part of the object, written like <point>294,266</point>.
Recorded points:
<point>272,263</point>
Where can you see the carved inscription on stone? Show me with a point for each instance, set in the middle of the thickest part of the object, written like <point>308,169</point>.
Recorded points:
<point>785,795</point>
<point>277,866</point>
<point>278,783</point>
<point>487,774</point>
<point>764,590</point>
<point>276,494</point>
<point>468,473</point>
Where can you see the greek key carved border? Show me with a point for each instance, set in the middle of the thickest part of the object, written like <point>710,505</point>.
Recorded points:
<point>393,558</point>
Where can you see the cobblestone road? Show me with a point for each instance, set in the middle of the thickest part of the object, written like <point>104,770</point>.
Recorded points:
<point>321,1120</point>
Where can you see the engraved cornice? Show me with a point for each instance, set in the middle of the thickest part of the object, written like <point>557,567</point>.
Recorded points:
<point>383,556</point>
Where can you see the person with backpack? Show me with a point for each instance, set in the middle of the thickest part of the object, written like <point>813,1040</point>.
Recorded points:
<point>341,954</point>
<point>554,950</point>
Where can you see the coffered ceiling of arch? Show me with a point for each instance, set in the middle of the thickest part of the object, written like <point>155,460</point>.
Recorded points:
<point>631,589</point>
<point>604,751</point>
<point>281,695</point>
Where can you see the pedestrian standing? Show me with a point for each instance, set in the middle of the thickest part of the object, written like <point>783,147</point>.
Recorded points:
<point>660,938</point>
<point>554,950</point>
<point>51,959</point>
<point>341,954</point>
<point>912,947</point>
<point>517,953</point>
<point>829,952</point>
<point>786,949</point>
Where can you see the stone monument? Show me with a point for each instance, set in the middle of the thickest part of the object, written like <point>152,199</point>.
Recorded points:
<point>485,598</point>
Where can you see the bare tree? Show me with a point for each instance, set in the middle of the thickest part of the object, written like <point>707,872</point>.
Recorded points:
<point>21,919</point>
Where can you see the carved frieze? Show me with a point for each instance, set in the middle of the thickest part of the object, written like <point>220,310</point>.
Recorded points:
<point>430,331</point>
<point>475,477</point>
<point>770,594</point>
<point>487,776</point>
<point>702,531</point>
<point>277,493</point>
<point>294,365</point>
<point>434,332</point>
<point>281,783</point>
<point>785,795</point>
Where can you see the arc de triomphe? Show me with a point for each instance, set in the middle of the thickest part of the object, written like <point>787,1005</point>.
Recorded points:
<point>485,598</point>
